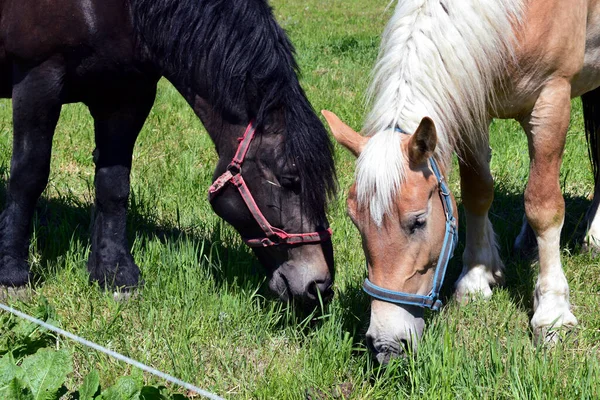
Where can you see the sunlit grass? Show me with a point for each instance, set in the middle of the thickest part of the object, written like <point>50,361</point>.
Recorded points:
<point>205,314</point>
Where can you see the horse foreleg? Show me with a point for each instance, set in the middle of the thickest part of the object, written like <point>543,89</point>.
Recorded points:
<point>546,128</point>
<point>117,121</point>
<point>36,108</point>
<point>482,266</point>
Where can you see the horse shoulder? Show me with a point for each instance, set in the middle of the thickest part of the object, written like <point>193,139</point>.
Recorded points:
<point>550,46</point>
<point>33,31</point>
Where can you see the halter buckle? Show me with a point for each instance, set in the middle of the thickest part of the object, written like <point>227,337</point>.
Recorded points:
<point>234,167</point>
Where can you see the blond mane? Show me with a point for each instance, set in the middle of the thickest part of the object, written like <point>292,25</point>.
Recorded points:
<point>438,58</point>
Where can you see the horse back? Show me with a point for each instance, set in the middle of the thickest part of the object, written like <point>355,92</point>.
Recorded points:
<point>555,40</point>
<point>87,36</point>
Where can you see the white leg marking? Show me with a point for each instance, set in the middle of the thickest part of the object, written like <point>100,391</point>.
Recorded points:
<point>551,295</point>
<point>482,266</point>
<point>592,237</point>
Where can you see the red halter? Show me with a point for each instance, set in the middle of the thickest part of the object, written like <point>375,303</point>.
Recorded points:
<point>273,236</point>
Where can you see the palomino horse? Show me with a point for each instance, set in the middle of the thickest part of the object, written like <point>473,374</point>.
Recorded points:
<point>235,67</point>
<point>445,69</point>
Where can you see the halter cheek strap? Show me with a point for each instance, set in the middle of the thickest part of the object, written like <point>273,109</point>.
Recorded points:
<point>432,300</point>
<point>273,236</point>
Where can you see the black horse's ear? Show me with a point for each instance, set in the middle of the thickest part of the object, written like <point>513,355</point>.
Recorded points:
<point>422,142</point>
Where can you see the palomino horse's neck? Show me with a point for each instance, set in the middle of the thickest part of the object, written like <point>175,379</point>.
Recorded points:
<point>436,60</point>
<point>441,60</point>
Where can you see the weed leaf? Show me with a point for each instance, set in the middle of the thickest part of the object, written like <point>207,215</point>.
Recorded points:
<point>126,388</point>
<point>90,386</point>
<point>8,370</point>
<point>15,390</point>
<point>46,371</point>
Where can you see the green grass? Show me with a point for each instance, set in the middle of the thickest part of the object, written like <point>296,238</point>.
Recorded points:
<point>205,314</point>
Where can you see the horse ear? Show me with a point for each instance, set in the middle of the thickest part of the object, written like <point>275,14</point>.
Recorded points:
<point>422,142</point>
<point>345,135</point>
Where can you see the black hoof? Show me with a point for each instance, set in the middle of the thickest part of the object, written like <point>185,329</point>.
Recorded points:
<point>123,277</point>
<point>14,272</point>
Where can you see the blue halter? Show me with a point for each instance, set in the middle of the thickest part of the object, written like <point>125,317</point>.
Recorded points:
<point>450,240</point>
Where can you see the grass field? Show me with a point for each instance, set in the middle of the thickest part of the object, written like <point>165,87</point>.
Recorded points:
<point>205,314</point>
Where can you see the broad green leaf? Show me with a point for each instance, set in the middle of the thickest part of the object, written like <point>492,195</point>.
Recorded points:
<point>15,390</point>
<point>8,370</point>
<point>46,371</point>
<point>90,386</point>
<point>126,388</point>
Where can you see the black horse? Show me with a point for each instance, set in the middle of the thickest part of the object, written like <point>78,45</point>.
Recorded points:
<point>235,67</point>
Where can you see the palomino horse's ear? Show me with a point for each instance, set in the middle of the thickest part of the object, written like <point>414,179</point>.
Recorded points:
<point>345,135</point>
<point>422,142</point>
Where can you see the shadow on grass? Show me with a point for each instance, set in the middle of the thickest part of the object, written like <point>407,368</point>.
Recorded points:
<point>521,272</point>
<point>58,222</point>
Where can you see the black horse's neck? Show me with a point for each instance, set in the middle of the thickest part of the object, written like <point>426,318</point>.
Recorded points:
<point>233,63</point>
<point>231,53</point>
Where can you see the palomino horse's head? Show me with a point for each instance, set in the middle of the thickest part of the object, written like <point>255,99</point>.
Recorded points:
<point>274,202</point>
<point>403,245</point>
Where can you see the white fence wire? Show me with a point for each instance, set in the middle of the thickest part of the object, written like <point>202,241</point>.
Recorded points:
<point>112,353</point>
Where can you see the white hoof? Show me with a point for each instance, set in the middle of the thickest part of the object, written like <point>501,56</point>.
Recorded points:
<point>125,296</point>
<point>551,316</point>
<point>473,283</point>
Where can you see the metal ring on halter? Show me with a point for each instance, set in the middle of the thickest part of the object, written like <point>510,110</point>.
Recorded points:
<point>432,300</point>
<point>273,236</point>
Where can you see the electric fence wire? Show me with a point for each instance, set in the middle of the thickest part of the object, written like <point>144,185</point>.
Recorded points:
<point>112,353</point>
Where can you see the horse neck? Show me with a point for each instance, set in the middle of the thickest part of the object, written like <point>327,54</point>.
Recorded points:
<point>229,59</point>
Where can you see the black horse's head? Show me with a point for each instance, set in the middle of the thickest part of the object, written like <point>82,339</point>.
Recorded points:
<point>274,194</point>
<point>234,64</point>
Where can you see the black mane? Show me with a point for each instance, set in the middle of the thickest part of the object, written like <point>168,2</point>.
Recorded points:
<point>235,55</point>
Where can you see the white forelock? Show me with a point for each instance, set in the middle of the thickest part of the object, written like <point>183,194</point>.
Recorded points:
<point>380,165</point>
<point>438,58</point>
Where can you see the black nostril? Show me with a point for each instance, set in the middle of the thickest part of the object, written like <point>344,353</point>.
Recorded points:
<point>319,288</point>
<point>404,346</point>
<point>370,344</point>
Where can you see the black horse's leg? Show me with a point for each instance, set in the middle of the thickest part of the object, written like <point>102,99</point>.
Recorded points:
<point>36,108</point>
<point>118,120</point>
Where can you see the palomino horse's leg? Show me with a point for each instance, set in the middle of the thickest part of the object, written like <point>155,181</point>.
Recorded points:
<point>36,108</point>
<point>118,119</point>
<point>482,266</point>
<point>546,128</point>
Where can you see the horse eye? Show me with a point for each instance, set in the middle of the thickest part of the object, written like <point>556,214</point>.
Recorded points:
<point>290,182</point>
<point>418,223</point>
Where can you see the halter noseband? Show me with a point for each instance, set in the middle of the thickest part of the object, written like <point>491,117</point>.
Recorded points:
<point>273,236</point>
<point>450,240</point>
